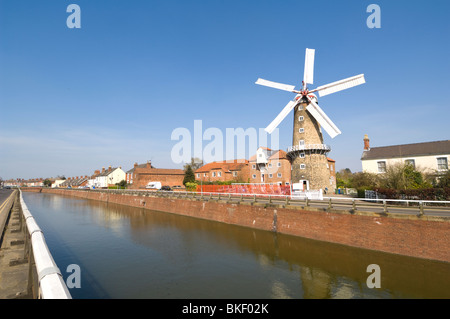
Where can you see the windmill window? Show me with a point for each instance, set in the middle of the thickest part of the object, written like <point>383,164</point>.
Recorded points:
<point>301,142</point>
<point>300,107</point>
<point>300,118</point>
<point>302,155</point>
<point>302,166</point>
<point>301,130</point>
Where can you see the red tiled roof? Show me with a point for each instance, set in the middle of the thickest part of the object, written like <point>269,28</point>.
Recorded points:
<point>330,160</point>
<point>225,166</point>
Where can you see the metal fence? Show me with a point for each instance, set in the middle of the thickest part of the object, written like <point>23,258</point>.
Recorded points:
<point>44,277</point>
<point>414,207</point>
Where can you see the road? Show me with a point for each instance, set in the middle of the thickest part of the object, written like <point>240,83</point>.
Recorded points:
<point>4,194</point>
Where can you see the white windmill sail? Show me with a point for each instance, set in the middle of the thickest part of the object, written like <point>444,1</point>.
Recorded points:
<point>340,85</point>
<point>269,129</point>
<point>308,75</point>
<point>280,86</point>
<point>323,119</point>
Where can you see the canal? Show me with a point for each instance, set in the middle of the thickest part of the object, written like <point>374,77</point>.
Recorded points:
<point>126,252</point>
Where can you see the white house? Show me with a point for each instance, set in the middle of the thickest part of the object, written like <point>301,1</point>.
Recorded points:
<point>429,156</point>
<point>111,176</point>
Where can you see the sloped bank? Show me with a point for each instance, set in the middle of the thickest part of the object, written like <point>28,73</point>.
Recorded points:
<point>421,237</point>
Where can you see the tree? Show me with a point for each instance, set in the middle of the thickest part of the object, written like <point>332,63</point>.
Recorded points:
<point>403,176</point>
<point>442,179</point>
<point>195,164</point>
<point>189,176</point>
<point>122,184</point>
<point>48,183</point>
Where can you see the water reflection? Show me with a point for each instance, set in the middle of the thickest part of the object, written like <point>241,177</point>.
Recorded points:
<point>136,253</point>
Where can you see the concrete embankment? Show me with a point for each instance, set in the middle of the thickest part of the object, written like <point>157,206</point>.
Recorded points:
<point>421,237</point>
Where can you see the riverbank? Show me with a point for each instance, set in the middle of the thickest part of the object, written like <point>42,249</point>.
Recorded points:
<point>420,237</point>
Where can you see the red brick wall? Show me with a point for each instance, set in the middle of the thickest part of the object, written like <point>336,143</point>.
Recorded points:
<point>408,236</point>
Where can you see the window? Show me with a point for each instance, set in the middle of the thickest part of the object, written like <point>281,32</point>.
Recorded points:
<point>253,176</point>
<point>411,162</point>
<point>254,166</point>
<point>302,155</point>
<point>301,130</point>
<point>204,175</point>
<point>381,167</point>
<point>279,164</point>
<point>219,174</point>
<point>214,174</point>
<point>300,107</point>
<point>302,166</point>
<point>442,163</point>
<point>270,175</point>
<point>270,165</point>
<point>300,118</point>
<point>301,142</point>
<point>234,173</point>
<point>198,175</point>
<point>279,175</point>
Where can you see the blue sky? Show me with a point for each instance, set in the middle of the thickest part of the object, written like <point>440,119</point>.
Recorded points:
<point>113,91</point>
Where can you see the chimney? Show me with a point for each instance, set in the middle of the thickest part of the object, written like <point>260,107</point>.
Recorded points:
<point>109,168</point>
<point>149,164</point>
<point>103,170</point>
<point>135,165</point>
<point>366,143</point>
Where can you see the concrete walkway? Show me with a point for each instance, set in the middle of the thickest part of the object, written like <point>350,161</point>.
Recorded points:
<point>14,264</point>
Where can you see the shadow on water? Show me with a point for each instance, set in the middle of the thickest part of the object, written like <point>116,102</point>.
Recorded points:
<point>325,270</point>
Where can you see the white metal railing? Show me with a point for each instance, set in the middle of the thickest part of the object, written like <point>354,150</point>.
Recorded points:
<point>51,283</point>
<point>322,147</point>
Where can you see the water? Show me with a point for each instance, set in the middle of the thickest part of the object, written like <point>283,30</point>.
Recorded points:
<point>126,252</point>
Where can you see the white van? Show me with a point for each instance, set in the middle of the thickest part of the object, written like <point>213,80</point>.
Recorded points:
<point>153,185</point>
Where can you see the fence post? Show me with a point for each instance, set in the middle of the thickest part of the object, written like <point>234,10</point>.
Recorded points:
<point>242,197</point>
<point>287,200</point>
<point>254,198</point>
<point>420,208</point>
<point>270,199</point>
<point>307,201</point>
<point>354,205</point>
<point>329,204</point>
<point>385,207</point>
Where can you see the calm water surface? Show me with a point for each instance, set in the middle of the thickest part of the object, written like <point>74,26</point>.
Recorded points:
<point>126,252</point>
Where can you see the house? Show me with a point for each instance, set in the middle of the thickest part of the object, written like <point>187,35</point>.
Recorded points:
<point>75,182</point>
<point>142,175</point>
<point>109,177</point>
<point>270,166</point>
<point>429,156</point>
<point>223,171</point>
<point>129,175</point>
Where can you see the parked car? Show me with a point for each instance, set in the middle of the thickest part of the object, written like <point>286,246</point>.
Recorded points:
<point>166,188</point>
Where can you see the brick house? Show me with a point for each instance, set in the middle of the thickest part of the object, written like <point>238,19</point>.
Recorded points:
<point>130,173</point>
<point>141,175</point>
<point>231,170</point>
<point>270,166</point>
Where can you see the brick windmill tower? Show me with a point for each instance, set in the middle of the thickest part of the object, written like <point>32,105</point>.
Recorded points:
<point>308,154</point>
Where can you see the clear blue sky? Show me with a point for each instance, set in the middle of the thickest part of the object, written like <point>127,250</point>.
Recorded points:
<point>112,92</point>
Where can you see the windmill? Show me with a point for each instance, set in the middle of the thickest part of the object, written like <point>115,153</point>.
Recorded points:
<point>308,153</point>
